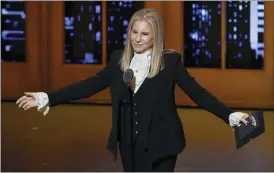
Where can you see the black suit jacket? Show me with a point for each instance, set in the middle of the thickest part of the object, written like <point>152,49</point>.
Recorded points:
<point>165,135</point>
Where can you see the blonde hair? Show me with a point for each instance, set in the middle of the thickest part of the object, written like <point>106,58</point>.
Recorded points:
<point>156,23</point>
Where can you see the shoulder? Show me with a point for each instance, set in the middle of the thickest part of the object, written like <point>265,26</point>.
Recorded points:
<point>116,53</point>
<point>116,56</point>
<point>171,57</point>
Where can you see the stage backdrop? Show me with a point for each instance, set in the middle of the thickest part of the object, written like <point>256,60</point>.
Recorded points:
<point>226,46</point>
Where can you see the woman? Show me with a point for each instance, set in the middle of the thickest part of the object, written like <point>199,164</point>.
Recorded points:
<point>145,122</point>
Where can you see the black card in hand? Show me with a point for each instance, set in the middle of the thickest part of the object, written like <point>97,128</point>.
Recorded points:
<point>246,133</point>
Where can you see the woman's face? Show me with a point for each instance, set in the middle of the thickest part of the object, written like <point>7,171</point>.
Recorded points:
<point>141,36</point>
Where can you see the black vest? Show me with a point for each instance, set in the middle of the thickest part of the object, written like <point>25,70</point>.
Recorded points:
<point>135,117</point>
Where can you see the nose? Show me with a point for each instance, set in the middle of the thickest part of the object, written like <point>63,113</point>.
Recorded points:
<point>138,38</point>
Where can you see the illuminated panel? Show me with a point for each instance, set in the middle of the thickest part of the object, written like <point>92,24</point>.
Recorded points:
<point>118,17</point>
<point>13,31</point>
<point>245,34</point>
<point>202,34</point>
<point>83,32</point>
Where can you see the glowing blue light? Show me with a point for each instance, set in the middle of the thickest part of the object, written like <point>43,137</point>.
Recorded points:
<point>125,22</point>
<point>219,5</point>
<point>124,35</point>
<point>203,12</point>
<point>235,14</point>
<point>98,36</point>
<point>79,18</point>
<point>194,36</point>
<point>98,9</point>
<point>8,48</point>
<point>235,29</point>
<point>69,21</point>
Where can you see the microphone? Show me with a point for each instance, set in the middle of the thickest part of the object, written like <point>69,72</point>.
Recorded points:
<point>127,76</point>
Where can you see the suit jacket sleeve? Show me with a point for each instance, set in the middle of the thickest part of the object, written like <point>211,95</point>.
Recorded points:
<point>84,88</point>
<point>198,94</point>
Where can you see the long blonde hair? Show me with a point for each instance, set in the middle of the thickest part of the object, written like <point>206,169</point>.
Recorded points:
<point>156,23</point>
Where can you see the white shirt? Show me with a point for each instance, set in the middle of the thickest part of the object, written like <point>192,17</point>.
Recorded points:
<point>42,100</point>
<point>140,64</point>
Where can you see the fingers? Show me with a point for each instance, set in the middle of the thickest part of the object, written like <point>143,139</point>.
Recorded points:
<point>27,103</point>
<point>246,115</point>
<point>26,96</point>
<point>27,106</point>
<point>29,94</point>
<point>23,102</point>
<point>21,99</point>
<point>243,119</point>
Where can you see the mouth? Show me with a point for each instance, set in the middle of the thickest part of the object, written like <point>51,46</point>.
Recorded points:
<point>138,45</point>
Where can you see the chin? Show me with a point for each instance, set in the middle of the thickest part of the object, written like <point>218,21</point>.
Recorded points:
<point>138,50</point>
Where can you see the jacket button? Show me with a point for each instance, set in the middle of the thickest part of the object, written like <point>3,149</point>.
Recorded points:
<point>136,122</point>
<point>137,132</point>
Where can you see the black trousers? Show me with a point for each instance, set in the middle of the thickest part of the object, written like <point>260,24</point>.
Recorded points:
<point>136,159</point>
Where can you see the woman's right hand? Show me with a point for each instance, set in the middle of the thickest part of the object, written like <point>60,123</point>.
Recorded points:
<point>27,101</point>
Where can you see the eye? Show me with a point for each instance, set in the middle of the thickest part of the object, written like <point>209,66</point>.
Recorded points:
<point>134,32</point>
<point>145,33</point>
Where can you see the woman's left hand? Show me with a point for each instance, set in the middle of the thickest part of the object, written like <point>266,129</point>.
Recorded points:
<point>237,117</point>
<point>243,118</point>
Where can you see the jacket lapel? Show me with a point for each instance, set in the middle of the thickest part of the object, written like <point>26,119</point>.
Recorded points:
<point>143,86</point>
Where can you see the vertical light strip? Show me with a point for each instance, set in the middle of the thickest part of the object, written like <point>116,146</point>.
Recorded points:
<point>183,36</point>
<point>223,37</point>
<point>253,25</point>
<point>104,33</point>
